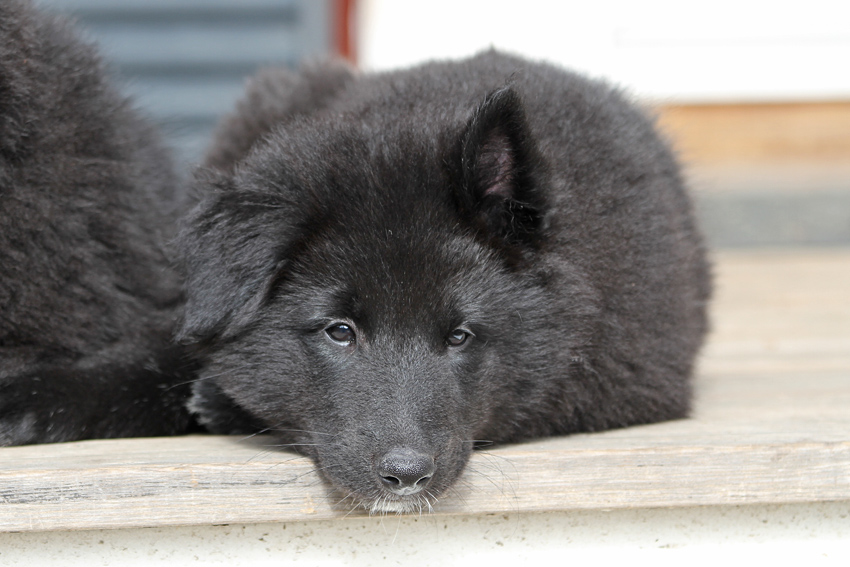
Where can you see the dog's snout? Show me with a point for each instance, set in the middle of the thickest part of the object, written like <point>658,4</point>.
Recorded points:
<point>405,471</point>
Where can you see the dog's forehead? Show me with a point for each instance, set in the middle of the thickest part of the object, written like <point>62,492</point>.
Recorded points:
<point>412,272</point>
<point>393,214</point>
<point>414,255</point>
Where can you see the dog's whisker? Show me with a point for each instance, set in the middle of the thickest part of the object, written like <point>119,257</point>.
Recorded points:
<point>304,431</point>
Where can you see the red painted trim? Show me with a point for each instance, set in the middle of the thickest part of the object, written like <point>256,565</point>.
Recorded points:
<point>344,29</point>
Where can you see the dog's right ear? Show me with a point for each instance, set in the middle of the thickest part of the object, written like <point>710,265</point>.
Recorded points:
<point>232,246</point>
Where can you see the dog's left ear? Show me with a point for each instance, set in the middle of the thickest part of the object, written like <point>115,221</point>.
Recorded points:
<point>501,171</point>
<point>232,247</point>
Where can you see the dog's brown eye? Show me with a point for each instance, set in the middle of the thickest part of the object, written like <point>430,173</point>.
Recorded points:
<point>341,333</point>
<point>457,337</point>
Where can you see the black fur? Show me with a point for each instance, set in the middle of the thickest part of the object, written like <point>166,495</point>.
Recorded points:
<point>386,268</point>
<point>88,299</point>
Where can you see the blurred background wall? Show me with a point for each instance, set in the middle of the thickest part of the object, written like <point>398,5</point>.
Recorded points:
<point>754,94</point>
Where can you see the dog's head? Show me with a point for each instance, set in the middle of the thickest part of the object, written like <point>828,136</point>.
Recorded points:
<point>364,294</point>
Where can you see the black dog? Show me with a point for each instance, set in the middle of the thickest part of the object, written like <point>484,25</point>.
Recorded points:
<point>88,298</point>
<point>388,268</point>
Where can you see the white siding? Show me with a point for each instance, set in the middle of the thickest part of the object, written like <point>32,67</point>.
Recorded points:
<point>724,50</point>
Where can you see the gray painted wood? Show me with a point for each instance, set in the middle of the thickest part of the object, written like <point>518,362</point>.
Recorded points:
<point>185,61</point>
<point>771,424</point>
<point>773,204</point>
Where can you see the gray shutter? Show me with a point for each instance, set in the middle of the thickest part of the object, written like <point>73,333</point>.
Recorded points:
<point>185,61</point>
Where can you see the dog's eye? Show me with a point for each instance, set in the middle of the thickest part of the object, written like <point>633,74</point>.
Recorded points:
<point>457,337</point>
<point>341,333</point>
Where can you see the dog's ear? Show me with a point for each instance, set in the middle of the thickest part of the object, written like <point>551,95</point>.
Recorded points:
<point>501,171</point>
<point>232,246</point>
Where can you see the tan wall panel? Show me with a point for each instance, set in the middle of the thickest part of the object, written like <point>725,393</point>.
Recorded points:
<point>711,134</point>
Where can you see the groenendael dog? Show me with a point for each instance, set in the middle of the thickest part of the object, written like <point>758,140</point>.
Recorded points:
<point>387,268</point>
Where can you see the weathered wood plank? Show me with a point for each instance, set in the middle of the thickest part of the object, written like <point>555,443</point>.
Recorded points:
<point>545,476</point>
<point>771,425</point>
<point>780,311</point>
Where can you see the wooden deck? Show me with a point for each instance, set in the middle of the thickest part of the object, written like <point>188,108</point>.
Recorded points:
<point>771,425</point>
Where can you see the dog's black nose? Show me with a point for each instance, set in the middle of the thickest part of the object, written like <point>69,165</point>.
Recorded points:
<point>405,471</point>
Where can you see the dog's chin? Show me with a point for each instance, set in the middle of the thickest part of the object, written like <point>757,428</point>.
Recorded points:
<point>383,503</point>
<point>389,504</point>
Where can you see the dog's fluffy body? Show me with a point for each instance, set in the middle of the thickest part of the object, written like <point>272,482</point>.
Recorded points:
<point>387,268</point>
<point>88,298</point>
